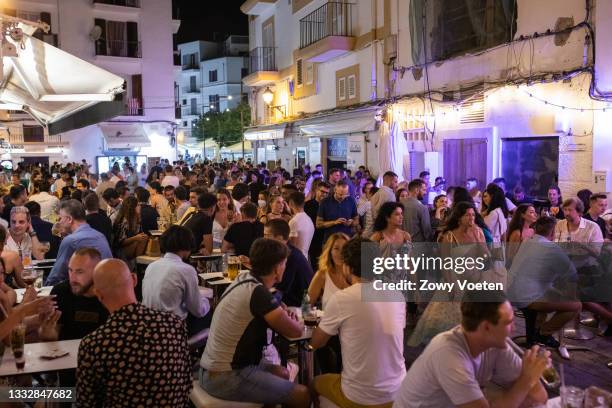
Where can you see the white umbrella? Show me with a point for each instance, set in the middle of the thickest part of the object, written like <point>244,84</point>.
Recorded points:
<point>391,151</point>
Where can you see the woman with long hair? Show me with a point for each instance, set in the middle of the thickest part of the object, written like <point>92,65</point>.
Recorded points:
<point>132,179</point>
<point>555,202</point>
<point>390,236</point>
<point>328,280</point>
<point>401,194</point>
<point>277,208</point>
<point>461,238</point>
<point>329,277</point>
<point>495,211</point>
<point>519,229</point>
<point>438,213</point>
<point>462,195</point>
<point>225,215</point>
<point>129,241</point>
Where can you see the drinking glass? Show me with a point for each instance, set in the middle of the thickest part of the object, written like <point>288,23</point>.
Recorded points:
<point>571,397</point>
<point>17,345</point>
<point>233,267</point>
<point>26,257</point>
<point>29,276</point>
<point>45,246</point>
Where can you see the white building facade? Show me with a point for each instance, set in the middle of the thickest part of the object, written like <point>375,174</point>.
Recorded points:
<point>210,81</point>
<point>130,38</point>
<point>517,82</point>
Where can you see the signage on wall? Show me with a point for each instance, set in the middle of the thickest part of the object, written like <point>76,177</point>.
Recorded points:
<point>355,148</point>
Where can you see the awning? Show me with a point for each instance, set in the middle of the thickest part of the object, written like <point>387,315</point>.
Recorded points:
<point>339,123</point>
<point>124,135</point>
<point>56,88</point>
<point>269,132</point>
<point>237,147</point>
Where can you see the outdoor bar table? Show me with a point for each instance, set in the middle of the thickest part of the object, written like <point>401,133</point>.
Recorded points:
<point>34,363</point>
<point>305,355</point>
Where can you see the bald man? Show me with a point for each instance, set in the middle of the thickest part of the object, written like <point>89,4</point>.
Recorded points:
<point>142,352</point>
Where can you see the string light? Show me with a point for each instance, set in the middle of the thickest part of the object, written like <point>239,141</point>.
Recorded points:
<point>574,108</point>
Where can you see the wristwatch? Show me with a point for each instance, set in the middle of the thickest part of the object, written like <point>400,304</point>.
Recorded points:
<point>32,233</point>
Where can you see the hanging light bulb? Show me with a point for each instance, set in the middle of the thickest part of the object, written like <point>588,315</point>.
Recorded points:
<point>268,96</point>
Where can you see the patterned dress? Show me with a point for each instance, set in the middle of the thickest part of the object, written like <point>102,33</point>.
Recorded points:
<point>138,358</point>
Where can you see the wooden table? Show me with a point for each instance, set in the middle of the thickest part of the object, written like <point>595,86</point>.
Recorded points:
<point>35,364</point>
<point>146,260</point>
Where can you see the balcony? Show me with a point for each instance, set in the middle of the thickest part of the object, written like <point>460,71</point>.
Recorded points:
<point>190,89</point>
<point>187,111</point>
<point>262,67</point>
<point>327,32</point>
<point>133,107</point>
<point>32,136</point>
<point>122,3</point>
<point>118,48</point>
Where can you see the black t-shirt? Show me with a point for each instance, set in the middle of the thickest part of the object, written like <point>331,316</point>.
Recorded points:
<point>81,315</point>
<point>200,225</point>
<point>243,234</point>
<point>101,223</point>
<point>148,218</point>
<point>600,221</point>
<point>296,279</point>
<point>311,208</point>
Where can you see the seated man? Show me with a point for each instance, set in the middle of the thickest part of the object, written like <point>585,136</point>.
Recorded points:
<point>459,363</point>
<point>139,357</point>
<point>79,312</point>
<point>200,223</point>
<point>172,285</point>
<point>544,279</point>
<point>148,214</point>
<point>298,274</point>
<point>241,235</point>
<point>231,367</point>
<point>371,339</point>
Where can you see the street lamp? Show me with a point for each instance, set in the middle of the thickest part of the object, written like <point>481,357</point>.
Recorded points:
<point>268,96</point>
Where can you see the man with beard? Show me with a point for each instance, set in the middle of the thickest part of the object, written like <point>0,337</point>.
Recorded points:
<point>79,312</point>
<point>416,215</point>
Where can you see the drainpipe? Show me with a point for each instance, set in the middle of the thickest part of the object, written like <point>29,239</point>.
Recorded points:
<point>374,73</point>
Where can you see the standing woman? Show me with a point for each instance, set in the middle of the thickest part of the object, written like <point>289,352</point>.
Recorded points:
<point>388,230</point>
<point>495,212</point>
<point>461,237</point>
<point>225,215</point>
<point>277,208</point>
<point>129,241</point>
<point>142,175</point>
<point>438,213</point>
<point>519,229</point>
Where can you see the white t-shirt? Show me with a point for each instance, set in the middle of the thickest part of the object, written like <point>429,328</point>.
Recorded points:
<point>170,180</point>
<point>48,204</point>
<point>301,226</point>
<point>446,375</point>
<point>25,246</point>
<point>497,224</point>
<point>372,342</point>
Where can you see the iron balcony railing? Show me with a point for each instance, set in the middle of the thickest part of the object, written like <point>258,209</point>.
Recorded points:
<point>133,107</point>
<point>262,59</point>
<point>124,3</point>
<point>118,48</point>
<point>331,19</point>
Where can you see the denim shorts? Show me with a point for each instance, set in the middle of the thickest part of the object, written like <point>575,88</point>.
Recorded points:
<point>254,383</point>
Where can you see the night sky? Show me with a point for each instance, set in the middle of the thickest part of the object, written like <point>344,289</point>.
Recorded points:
<point>200,21</point>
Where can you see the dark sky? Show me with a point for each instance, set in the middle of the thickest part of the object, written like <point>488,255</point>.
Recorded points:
<point>201,19</point>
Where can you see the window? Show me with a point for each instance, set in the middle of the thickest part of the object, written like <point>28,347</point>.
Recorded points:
<point>350,87</point>
<point>213,102</point>
<point>117,38</point>
<point>190,61</point>
<point>212,75</point>
<point>184,101</point>
<point>299,78</point>
<point>192,84</point>
<point>470,25</point>
<point>184,123</point>
<point>194,106</point>
<point>33,134</point>
<point>342,89</point>
<point>309,73</point>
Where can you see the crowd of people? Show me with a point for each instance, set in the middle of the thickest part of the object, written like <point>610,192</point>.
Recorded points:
<point>301,236</point>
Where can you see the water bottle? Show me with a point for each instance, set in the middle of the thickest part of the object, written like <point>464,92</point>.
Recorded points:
<point>224,263</point>
<point>305,305</point>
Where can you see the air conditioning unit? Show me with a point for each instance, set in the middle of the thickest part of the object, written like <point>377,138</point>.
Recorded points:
<point>603,181</point>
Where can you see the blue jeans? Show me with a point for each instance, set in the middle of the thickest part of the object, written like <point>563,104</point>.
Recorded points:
<point>249,384</point>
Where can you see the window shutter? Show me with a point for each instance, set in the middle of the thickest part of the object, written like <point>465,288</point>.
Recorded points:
<point>350,85</point>
<point>342,89</point>
<point>309,74</point>
<point>101,42</point>
<point>132,39</point>
<point>299,73</point>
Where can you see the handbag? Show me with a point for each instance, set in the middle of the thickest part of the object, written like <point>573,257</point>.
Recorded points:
<point>498,253</point>
<point>153,248</point>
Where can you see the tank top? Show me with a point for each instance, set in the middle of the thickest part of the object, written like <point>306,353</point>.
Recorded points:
<point>328,290</point>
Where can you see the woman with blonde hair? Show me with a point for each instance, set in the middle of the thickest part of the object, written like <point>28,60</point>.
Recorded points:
<point>329,277</point>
